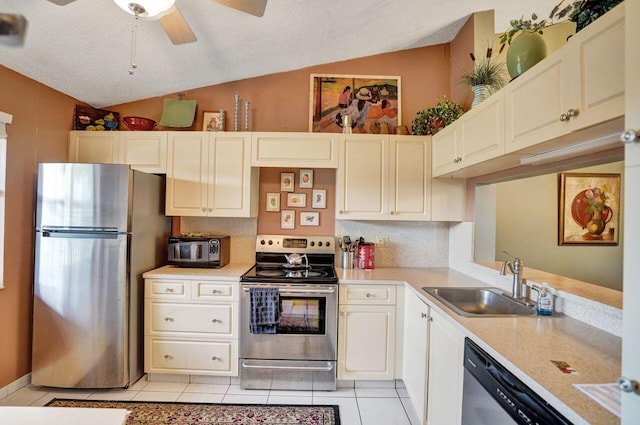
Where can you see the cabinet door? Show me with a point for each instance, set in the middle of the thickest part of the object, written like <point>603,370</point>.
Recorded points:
<point>446,354</point>
<point>535,101</point>
<point>232,183</point>
<point>306,150</point>
<point>410,178</point>
<point>187,173</point>
<point>445,151</point>
<point>94,147</point>
<point>361,190</point>
<point>144,150</point>
<point>366,342</point>
<point>483,131</point>
<point>415,354</point>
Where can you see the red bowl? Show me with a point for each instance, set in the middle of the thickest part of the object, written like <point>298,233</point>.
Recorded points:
<point>139,123</point>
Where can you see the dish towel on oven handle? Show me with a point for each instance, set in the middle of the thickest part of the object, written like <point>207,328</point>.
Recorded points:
<point>265,310</point>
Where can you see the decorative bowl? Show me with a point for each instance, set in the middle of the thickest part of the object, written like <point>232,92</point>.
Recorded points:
<point>139,123</point>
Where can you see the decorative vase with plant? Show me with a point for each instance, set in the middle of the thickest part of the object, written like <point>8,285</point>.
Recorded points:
<point>526,46</point>
<point>486,78</point>
<point>431,120</point>
<point>582,12</point>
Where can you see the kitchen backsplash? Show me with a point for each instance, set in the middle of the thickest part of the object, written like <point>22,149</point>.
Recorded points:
<point>242,231</point>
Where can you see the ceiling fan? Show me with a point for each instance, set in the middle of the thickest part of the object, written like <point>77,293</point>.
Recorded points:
<point>170,17</point>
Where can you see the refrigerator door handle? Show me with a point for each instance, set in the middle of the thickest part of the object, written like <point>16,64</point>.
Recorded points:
<point>81,233</point>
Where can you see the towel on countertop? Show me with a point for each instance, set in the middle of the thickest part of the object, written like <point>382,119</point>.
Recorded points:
<point>265,310</point>
<point>178,113</point>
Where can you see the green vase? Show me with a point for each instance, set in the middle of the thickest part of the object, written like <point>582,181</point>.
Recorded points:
<point>525,51</point>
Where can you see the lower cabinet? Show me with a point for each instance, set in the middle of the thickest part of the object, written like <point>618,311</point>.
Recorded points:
<point>191,327</point>
<point>366,332</point>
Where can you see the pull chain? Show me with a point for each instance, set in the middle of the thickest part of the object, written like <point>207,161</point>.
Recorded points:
<point>134,32</point>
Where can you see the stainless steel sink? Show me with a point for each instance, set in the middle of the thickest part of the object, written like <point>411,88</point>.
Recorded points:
<point>480,302</point>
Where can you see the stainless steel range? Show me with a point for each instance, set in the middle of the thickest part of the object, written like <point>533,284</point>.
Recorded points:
<point>293,282</point>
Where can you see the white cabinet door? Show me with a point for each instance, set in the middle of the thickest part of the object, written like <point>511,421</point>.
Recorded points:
<point>410,178</point>
<point>187,173</point>
<point>366,342</point>
<point>415,352</point>
<point>94,147</point>
<point>232,184</point>
<point>446,153</point>
<point>306,150</point>
<point>483,131</point>
<point>361,189</point>
<point>144,150</point>
<point>446,354</point>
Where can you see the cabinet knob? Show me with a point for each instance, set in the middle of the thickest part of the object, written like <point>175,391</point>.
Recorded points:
<point>214,358</point>
<point>342,314</point>
<point>423,315</point>
<point>340,212</point>
<point>204,210</point>
<point>392,212</point>
<point>569,114</point>
<point>166,357</point>
<point>168,319</point>
<point>368,295</point>
<point>214,291</point>
<point>629,136</point>
<point>168,290</point>
<point>627,385</point>
<point>214,321</point>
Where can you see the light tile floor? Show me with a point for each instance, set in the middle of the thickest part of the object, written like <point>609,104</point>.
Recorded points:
<point>366,403</point>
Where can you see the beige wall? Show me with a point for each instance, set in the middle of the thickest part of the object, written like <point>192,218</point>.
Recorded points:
<point>41,121</point>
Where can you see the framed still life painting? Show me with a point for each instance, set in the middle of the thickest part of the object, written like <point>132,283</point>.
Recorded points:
<point>589,209</point>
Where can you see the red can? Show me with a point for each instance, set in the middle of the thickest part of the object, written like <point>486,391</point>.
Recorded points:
<point>366,255</point>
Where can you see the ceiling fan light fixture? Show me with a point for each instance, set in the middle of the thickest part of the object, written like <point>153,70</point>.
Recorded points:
<point>145,8</point>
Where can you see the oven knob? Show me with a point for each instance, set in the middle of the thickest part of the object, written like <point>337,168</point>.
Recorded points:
<point>312,243</point>
<point>320,243</point>
<point>327,243</point>
<point>262,242</point>
<point>270,242</point>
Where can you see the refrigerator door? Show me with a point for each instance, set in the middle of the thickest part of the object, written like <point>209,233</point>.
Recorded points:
<point>80,312</point>
<point>84,196</point>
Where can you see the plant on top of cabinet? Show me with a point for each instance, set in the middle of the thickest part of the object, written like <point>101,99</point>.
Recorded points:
<point>431,120</point>
<point>582,12</point>
<point>528,47</point>
<point>487,77</point>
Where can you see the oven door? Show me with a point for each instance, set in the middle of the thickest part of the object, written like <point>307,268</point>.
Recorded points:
<point>307,329</point>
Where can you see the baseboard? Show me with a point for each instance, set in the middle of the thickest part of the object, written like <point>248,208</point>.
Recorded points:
<point>15,386</point>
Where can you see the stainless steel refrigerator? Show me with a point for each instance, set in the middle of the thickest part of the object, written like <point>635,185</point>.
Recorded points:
<point>98,228</point>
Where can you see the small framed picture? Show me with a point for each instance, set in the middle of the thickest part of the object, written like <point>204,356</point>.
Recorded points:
<point>288,219</point>
<point>319,199</point>
<point>212,121</point>
<point>273,202</point>
<point>309,219</point>
<point>296,200</point>
<point>306,179</point>
<point>286,182</point>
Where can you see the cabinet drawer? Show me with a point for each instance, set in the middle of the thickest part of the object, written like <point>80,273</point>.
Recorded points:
<point>166,289</point>
<point>361,294</point>
<point>214,291</point>
<point>189,318</point>
<point>191,356</point>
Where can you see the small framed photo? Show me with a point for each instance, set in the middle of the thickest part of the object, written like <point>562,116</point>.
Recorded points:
<point>288,219</point>
<point>273,202</point>
<point>309,219</point>
<point>213,121</point>
<point>286,182</point>
<point>306,179</point>
<point>319,199</point>
<point>296,200</point>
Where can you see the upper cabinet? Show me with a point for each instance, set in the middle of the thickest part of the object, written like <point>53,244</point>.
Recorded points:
<point>311,150</point>
<point>388,177</point>
<point>209,174</point>
<point>95,147</point>
<point>580,85</point>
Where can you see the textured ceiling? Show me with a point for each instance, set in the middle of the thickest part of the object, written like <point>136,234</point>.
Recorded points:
<point>83,49</point>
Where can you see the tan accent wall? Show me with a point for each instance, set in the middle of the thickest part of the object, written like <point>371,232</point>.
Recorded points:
<point>42,119</point>
<point>460,63</point>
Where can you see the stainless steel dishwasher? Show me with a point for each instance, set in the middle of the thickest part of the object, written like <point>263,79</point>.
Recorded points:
<point>493,396</point>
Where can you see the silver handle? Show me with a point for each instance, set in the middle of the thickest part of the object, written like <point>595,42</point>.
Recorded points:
<point>168,290</point>
<point>368,295</point>
<point>340,212</point>
<point>214,358</point>
<point>284,292</point>
<point>423,315</point>
<point>168,319</point>
<point>627,385</point>
<point>307,368</point>
<point>215,320</point>
<point>392,212</point>
<point>215,291</point>
<point>166,356</point>
<point>342,314</point>
<point>204,210</point>
<point>569,114</point>
<point>629,136</point>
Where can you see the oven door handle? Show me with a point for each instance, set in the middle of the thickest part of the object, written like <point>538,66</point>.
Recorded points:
<point>284,292</point>
<point>326,368</point>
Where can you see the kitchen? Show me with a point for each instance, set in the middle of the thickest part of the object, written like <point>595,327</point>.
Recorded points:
<point>32,145</point>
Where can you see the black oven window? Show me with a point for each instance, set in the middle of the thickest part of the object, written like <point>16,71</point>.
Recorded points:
<point>302,315</point>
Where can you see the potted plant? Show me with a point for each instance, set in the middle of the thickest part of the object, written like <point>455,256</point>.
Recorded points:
<point>431,120</point>
<point>526,46</point>
<point>582,12</point>
<point>486,77</point>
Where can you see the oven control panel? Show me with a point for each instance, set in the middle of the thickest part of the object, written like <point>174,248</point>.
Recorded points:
<point>299,244</point>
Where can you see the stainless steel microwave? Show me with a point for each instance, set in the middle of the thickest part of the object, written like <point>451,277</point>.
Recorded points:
<point>199,251</point>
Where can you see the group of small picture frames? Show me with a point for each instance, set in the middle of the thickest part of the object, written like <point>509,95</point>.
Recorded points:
<point>297,200</point>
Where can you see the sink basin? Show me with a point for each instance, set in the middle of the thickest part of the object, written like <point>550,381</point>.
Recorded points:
<point>480,302</point>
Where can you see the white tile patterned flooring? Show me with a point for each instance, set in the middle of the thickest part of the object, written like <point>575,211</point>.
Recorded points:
<point>364,403</point>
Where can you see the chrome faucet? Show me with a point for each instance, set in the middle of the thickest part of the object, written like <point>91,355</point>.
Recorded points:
<point>516,269</point>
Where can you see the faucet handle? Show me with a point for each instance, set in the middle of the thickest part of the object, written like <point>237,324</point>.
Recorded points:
<point>503,269</point>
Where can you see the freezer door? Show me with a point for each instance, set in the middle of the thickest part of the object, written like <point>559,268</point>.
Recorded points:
<point>80,312</point>
<point>83,196</point>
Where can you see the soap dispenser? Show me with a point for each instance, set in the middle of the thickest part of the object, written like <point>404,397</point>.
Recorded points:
<point>545,301</point>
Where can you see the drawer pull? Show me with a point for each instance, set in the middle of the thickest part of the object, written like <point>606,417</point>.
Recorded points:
<point>168,319</point>
<point>167,357</point>
<point>215,321</point>
<point>368,295</point>
<point>423,315</point>
<point>168,289</point>
<point>215,291</point>
<point>214,358</point>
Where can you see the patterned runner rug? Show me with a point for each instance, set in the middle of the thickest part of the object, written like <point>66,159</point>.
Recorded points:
<point>161,413</point>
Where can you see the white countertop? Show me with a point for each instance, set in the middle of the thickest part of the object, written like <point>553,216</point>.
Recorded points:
<point>228,272</point>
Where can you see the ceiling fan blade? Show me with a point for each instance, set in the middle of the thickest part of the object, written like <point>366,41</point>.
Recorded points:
<point>61,2</point>
<point>176,27</point>
<point>253,7</point>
